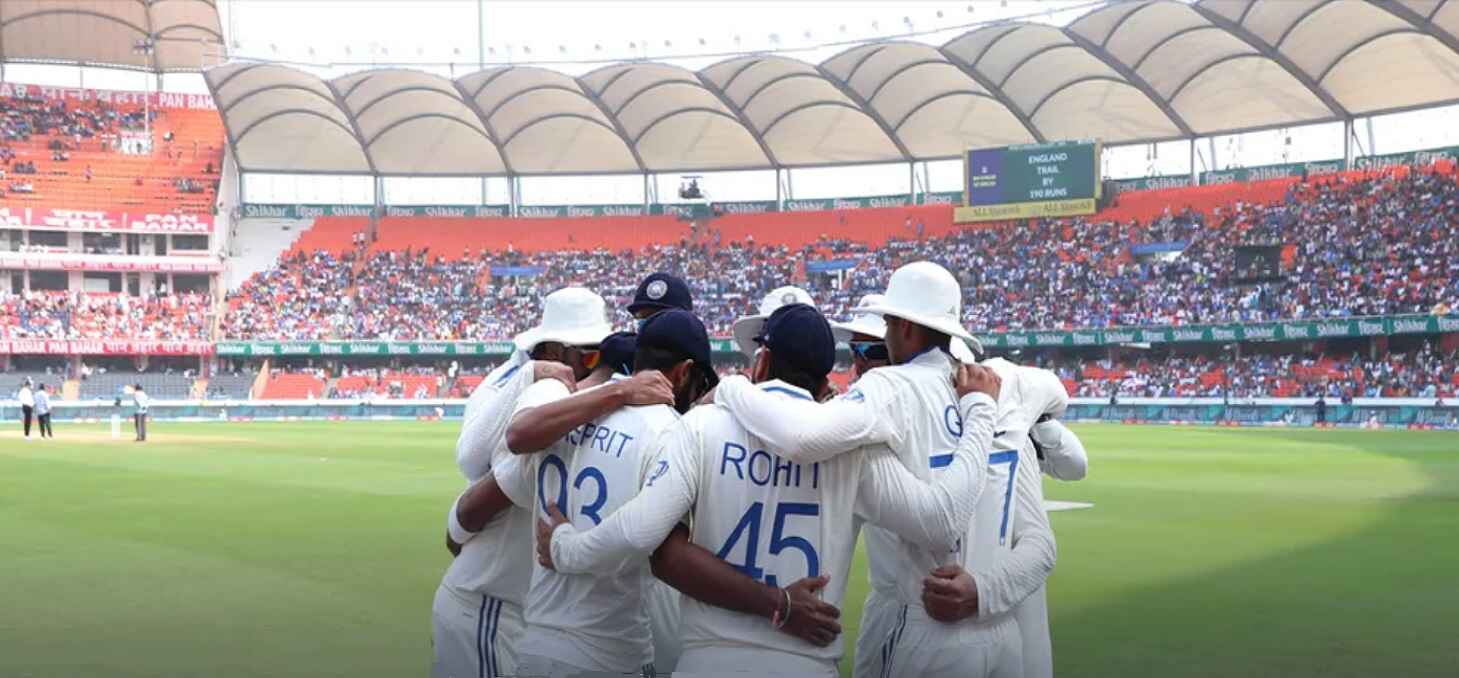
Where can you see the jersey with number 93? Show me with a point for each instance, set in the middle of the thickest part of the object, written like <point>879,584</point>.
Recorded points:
<point>589,473</point>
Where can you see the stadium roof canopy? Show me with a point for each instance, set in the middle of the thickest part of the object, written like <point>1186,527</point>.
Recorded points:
<point>1128,72</point>
<point>185,34</point>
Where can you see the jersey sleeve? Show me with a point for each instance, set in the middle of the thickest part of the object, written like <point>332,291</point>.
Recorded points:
<point>488,413</point>
<point>1026,567</point>
<point>1063,455</point>
<point>1045,391</point>
<point>540,393</point>
<point>641,524</point>
<point>805,431</point>
<point>934,513</point>
<point>516,475</point>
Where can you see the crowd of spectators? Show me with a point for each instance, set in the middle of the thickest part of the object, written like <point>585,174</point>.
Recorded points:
<point>24,117</point>
<point>92,315</point>
<point>1375,246</point>
<point>1424,372</point>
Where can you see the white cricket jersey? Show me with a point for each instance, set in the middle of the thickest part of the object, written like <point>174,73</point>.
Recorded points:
<point>911,408</point>
<point>1011,546</point>
<point>493,562</point>
<point>595,622</point>
<point>776,520</point>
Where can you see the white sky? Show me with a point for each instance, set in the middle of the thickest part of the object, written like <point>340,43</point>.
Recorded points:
<point>452,37</point>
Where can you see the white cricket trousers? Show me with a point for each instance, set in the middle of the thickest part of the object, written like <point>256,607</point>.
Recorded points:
<point>901,641</point>
<point>473,635</point>
<point>739,662</point>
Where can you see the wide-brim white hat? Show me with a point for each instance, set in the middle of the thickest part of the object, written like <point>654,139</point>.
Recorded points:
<point>925,294</point>
<point>574,316</point>
<point>748,327</point>
<point>862,322</point>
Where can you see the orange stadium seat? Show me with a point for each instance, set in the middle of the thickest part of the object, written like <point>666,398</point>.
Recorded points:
<point>121,181</point>
<point>283,386</point>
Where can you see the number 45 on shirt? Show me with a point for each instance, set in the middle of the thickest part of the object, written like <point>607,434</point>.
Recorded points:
<point>750,523</point>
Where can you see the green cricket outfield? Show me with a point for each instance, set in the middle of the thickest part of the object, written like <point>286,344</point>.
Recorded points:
<point>314,549</point>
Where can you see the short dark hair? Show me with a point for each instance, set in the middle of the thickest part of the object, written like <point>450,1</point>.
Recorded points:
<point>655,358</point>
<point>795,375</point>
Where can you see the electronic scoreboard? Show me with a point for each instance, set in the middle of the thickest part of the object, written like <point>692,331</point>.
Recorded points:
<point>1034,180</point>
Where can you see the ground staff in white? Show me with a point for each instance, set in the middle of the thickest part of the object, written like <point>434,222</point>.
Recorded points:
<point>738,490</point>
<point>909,406</point>
<point>577,624</point>
<point>476,616</point>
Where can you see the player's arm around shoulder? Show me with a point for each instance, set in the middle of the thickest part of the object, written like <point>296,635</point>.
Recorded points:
<point>806,431</point>
<point>670,485</point>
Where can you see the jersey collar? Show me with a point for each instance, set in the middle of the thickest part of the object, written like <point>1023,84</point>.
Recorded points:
<point>778,386</point>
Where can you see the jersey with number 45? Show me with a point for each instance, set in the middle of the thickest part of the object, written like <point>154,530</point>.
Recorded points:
<point>590,473</point>
<point>776,520</point>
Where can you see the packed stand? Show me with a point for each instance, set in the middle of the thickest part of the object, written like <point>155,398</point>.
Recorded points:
<point>1421,373</point>
<point>97,315</point>
<point>1374,246</point>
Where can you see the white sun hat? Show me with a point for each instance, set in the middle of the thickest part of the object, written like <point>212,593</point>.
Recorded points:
<point>925,294</point>
<point>747,328</point>
<point>575,316</point>
<point>862,322</point>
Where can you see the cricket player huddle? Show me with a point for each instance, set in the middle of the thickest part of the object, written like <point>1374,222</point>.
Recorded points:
<point>629,513</point>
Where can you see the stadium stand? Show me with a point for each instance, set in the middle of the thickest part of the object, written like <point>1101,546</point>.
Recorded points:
<point>292,386</point>
<point>232,385</point>
<point>1425,372</point>
<point>10,381</point>
<point>1353,244</point>
<point>77,155</point>
<point>160,386</point>
<point>263,242</point>
<point>105,315</point>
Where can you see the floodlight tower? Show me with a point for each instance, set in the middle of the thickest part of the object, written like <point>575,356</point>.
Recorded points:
<point>147,46</point>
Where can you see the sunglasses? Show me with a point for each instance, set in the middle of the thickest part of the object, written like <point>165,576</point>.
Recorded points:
<point>870,351</point>
<point>591,356</point>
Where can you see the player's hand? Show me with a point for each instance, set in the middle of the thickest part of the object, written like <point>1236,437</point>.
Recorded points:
<point>452,546</point>
<point>949,594</point>
<point>545,527</point>
<point>811,619</point>
<point>649,387</point>
<point>976,379</point>
<point>547,369</point>
<point>828,392</point>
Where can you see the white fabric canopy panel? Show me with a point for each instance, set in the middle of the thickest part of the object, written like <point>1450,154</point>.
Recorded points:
<point>1128,72</point>
<point>185,34</point>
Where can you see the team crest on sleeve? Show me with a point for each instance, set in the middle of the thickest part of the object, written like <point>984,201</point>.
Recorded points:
<point>660,469</point>
<point>855,395</point>
<point>657,289</point>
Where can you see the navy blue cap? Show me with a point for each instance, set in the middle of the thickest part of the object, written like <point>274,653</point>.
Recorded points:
<point>616,351</point>
<point>800,335</point>
<point>680,332</point>
<point>661,291</point>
